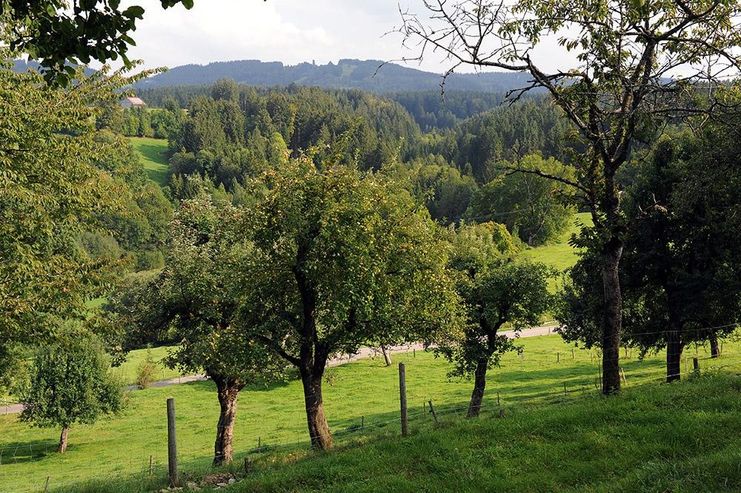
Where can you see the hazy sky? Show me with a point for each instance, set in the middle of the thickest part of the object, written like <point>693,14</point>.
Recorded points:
<point>290,31</point>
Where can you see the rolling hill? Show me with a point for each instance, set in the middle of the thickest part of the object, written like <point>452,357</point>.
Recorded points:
<point>369,75</point>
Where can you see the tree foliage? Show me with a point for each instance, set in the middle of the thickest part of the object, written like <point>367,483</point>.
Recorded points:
<point>70,383</point>
<point>61,33</point>
<point>341,259</point>
<point>496,290</point>
<point>51,192</point>
<point>534,208</point>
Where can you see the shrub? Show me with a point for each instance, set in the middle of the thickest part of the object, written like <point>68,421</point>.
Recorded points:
<point>145,373</point>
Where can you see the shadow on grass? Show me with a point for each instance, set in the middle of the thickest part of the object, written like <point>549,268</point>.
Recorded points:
<point>158,171</point>
<point>30,451</point>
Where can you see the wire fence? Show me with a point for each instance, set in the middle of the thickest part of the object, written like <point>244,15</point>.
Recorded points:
<point>578,374</point>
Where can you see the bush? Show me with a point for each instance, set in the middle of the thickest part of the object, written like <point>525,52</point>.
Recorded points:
<point>145,373</point>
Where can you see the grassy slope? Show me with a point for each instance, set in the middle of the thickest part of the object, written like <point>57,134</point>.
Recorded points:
<point>120,447</point>
<point>684,437</point>
<point>127,371</point>
<point>560,254</point>
<point>152,155</point>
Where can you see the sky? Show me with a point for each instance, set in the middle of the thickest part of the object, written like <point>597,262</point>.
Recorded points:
<point>290,31</point>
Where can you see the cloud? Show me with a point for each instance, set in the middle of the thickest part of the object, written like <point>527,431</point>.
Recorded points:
<point>290,31</point>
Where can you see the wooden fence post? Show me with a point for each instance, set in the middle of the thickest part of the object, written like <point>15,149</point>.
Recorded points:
<point>172,451</point>
<point>696,366</point>
<point>403,399</point>
<point>151,464</point>
<point>434,414</point>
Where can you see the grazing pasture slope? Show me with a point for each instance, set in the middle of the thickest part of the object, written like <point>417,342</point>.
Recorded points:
<point>365,394</point>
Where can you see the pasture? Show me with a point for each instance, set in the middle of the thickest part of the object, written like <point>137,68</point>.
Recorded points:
<point>152,155</point>
<point>559,254</point>
<point>361,404</point>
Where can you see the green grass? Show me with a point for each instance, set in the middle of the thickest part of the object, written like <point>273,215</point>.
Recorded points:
<point>677,438</point>
<point>127,371</point>
<point>560,255</point>
<point>115,452</point>
<point>153,158</point>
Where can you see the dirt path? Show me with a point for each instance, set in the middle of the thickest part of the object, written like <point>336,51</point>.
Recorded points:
<point>363,353</point>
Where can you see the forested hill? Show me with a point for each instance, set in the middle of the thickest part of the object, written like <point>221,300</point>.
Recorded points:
<point>346,74</point>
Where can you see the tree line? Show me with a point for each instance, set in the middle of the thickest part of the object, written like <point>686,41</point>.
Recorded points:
<point>227,133</point>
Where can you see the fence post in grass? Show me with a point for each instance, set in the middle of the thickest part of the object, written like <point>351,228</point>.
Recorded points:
<point>573,355</point>
<point>172,452</point>
<point>46,486</point>
<point>434,414</point>
<point>696,366</point>
<point>497,398</point>
<point>558,357</point>
<point>151,464</point>
<point>564,389</point>
<point>403,399</point>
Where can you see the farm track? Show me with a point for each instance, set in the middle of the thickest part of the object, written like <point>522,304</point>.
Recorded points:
<point>363,353</point>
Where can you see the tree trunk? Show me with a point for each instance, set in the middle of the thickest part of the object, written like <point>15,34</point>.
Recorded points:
<point>321,437</point>
<point>386,355</point>
<point>479,385</point>
<point>673,354</point>
<point>714,349</point>
<point>62,448</point>
<point>612,319</point>
<point>227,392</point>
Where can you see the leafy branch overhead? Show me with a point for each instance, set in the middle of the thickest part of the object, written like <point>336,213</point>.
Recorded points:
<point>61,34</point>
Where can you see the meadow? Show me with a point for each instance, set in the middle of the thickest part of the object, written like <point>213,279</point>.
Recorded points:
<point>555,421</point>
<point>361,404</point>
<point>128,370</point>
<point>559,254</point>
<point>152,155</point>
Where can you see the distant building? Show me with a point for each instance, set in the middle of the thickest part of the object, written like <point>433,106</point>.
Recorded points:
<point>132,102</point>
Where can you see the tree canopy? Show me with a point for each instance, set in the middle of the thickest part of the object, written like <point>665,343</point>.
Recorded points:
<point>51,192</point>
<point>341,259</point>
<point>629,68</point>
<point>70,383</point>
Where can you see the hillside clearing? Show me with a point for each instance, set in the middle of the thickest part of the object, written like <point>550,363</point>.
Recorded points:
<point>559,254</point>
<point>152,155</point>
